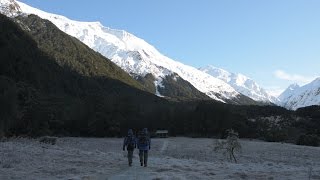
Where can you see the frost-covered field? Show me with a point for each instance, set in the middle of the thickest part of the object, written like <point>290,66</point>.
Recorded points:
<point>172,158</point>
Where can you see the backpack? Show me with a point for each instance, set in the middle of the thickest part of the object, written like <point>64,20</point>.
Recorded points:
<point>130,142</point>
<point>143,139</point>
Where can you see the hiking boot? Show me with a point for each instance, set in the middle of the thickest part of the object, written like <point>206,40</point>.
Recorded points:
<point>130,164</point>
<point>145,165</point>
<point>141,164</point>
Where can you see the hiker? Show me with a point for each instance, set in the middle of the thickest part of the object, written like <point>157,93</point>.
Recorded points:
<point>131,143</point>
<point>144,145</point>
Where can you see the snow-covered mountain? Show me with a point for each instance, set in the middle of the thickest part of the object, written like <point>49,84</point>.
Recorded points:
<point>285,95</point>
<point>295,97</point>
<point>131,53</point>
<point>240,83</point>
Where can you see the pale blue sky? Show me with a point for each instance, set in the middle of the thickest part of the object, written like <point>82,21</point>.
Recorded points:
<point>275,42</point>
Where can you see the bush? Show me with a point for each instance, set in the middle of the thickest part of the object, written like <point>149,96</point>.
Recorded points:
<point>230,146</point>
<point>276,135</point>
<point>308,140</point>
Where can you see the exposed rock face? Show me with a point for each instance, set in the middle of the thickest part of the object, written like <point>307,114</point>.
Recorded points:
<point>10,8</point>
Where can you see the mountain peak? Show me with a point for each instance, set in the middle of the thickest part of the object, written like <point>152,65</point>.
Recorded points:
<point>9,8</point>
<point>240,83</point>
<point>217,72</point>
<point>293,86</point>
<point>316,81</point>
<point>288,92</point>
<point>295,97</point>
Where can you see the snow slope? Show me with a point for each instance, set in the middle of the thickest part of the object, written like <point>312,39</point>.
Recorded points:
<point>288,92</point>
<point>295,97</point>
<point>171,158</point>
<point>240,83</point>
<point>9,7</point>
<point>133,54</point>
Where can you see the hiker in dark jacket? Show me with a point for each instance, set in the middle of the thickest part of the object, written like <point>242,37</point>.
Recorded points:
<point>131,143</point>
<point>144,145</point>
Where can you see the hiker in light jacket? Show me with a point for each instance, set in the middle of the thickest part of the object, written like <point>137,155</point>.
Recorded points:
<point>131,143</point>
<point>144,145</point>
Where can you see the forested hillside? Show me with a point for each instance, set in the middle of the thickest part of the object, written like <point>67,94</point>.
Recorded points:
<point>53,84</point>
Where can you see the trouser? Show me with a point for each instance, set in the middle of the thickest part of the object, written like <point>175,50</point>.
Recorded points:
<point>143,154</point>
<point>130,156</point>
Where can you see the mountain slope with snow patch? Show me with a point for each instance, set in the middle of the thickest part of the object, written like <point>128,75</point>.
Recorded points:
<point>9,8</point>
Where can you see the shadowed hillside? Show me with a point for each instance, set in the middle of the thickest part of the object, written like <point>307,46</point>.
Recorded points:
<point>50,80</point>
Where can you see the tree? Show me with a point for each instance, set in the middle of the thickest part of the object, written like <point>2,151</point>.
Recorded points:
<point>8,104</point>
<point>230,146</point>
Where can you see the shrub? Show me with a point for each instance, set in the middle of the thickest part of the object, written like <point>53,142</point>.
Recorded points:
<point>308,140</point>
<point>230,146</point>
